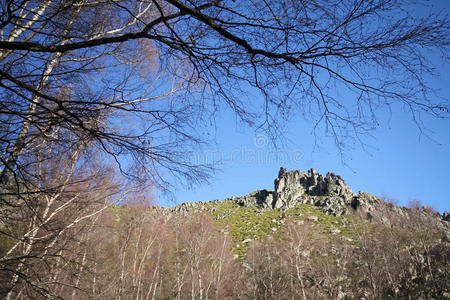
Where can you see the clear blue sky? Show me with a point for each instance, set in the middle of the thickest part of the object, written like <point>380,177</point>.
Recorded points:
<point>401,163</point>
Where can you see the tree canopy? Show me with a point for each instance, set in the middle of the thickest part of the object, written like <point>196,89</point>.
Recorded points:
<point>138,78</point>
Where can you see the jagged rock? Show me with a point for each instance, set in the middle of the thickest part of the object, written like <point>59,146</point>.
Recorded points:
<point>335,185</point>
<point>366,203</point>
<point>260,199</point>
<point>329,193</point>
<point>297,187</point>
<point>446,216</point>
<point>290,186</point>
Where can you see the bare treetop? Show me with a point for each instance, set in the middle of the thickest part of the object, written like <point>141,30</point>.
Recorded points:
<point>140,78</point>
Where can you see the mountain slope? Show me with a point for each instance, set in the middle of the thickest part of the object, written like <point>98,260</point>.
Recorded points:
<point>311,197</point>
<point>309,238</point>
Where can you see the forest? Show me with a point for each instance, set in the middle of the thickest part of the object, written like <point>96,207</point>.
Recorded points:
<point>141,252</point>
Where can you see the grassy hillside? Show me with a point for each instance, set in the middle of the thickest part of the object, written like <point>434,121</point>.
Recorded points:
<point>248,224</point>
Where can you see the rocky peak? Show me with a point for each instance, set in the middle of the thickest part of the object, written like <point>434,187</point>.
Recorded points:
<point>330,193</point>
<point>297,187</point>
<point>290,186</point>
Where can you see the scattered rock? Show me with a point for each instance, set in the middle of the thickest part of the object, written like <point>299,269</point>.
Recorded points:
<point>329,193</point>
<point>260,199</point>
<point>300,222</point>
<point>312,218</point>
<point>335,231</point>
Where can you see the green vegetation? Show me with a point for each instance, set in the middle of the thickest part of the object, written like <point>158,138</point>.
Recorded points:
<point>248,224</point>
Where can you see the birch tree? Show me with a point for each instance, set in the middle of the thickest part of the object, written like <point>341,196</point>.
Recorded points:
<point>41,232</point>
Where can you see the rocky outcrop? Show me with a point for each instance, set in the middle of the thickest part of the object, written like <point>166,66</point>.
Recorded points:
<point>290,186</point>
<point>260,198</point>
<point>446,216</point>
<point>297,187</point>
<point>330,193</point>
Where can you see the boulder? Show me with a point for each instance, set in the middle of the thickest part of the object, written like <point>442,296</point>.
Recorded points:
<point>259,198</point>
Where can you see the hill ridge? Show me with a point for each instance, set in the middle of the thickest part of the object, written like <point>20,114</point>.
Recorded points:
<point>329,193</point>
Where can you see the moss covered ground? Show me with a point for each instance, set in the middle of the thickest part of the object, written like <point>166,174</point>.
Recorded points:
<point>248,224</point>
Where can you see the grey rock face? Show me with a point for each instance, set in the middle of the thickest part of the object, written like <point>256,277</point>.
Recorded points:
<point>260,198</point>
<point>290,186</point>
<point>446,216</point>
<point>297,187</point>
<point>331,195</point>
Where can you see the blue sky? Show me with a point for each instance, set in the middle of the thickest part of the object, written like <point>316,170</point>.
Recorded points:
<point>400,163</point>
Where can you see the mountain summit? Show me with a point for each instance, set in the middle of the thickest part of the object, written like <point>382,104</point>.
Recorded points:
<point>321,196</point>
<point>329,193</point>
<point>297,187</point>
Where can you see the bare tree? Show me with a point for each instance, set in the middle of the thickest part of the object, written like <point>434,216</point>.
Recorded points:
<point>205,265</point>
<point>269,276</point>
<point>133,258</point>
<point>115,96</point>
<point>160,66</point>
<point>41,231</point>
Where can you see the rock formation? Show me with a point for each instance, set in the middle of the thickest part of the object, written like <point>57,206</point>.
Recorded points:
<point>330,193</point>
<point>291,186</point>
<point>297,187</point>
<point>446,216</point>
